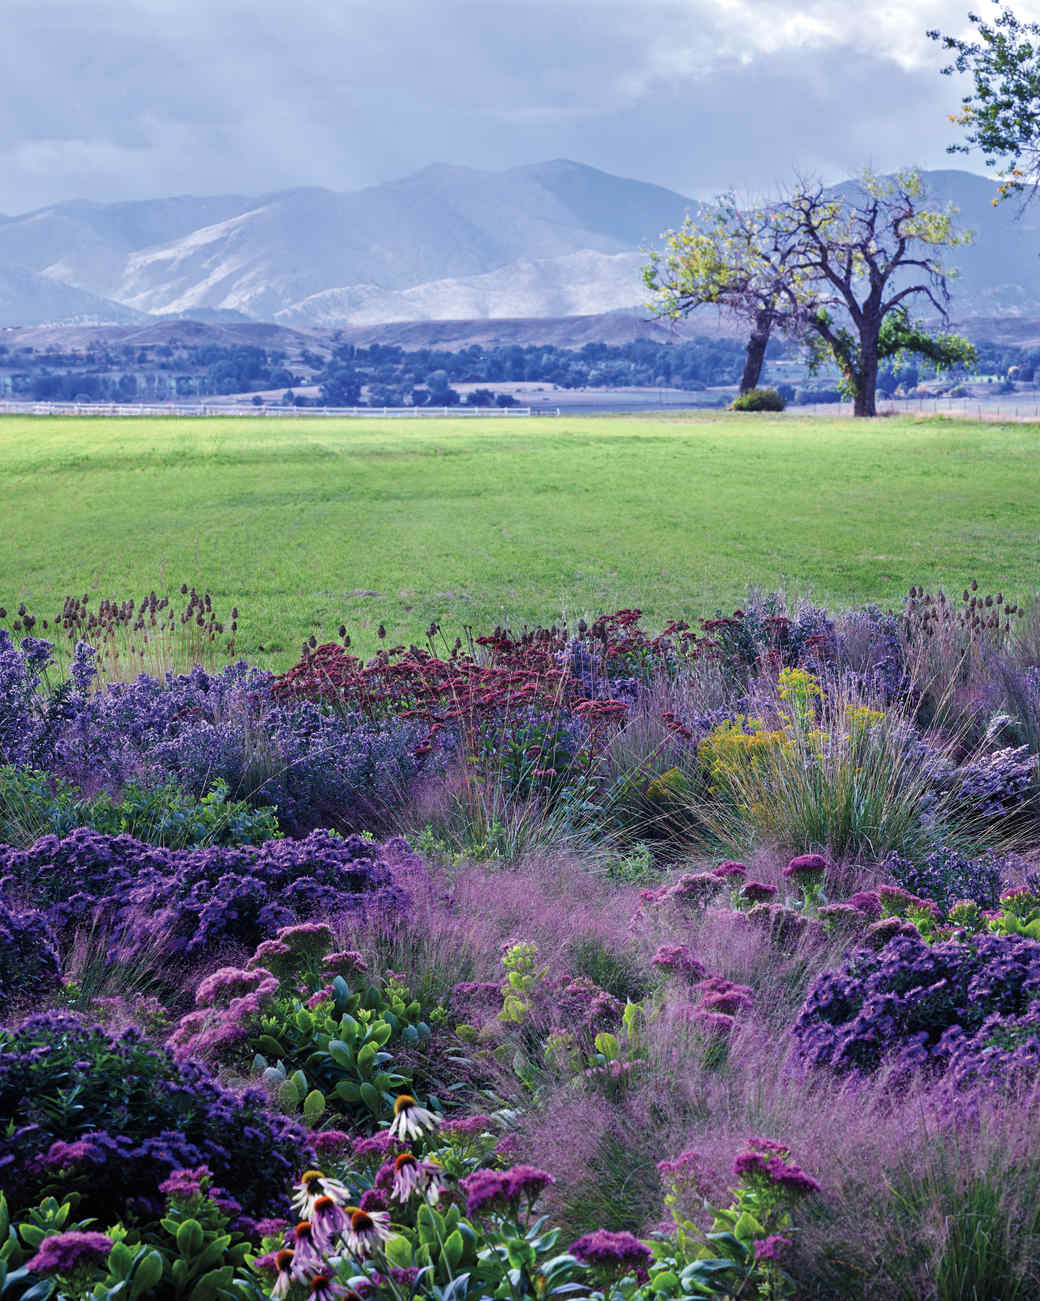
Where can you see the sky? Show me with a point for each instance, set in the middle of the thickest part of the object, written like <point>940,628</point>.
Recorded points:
<point>123,99</point>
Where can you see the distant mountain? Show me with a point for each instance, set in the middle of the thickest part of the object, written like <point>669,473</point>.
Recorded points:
<point>447,243</point>
<point>30,299</point>
<point>576,284</point>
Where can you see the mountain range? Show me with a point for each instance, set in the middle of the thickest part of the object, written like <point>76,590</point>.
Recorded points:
<point>553,239</point>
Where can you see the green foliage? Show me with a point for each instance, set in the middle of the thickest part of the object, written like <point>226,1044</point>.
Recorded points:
<point>758,399</point>
<point>1001,115</point>
<point>190,1255</point>
<point>617,970</point>
<point>523,977</point>
<point>337,1055</point>
<point>34,804</point>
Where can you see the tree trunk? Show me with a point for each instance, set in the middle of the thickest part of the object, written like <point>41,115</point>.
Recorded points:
<point>865,402</point>
<point>756,350</point>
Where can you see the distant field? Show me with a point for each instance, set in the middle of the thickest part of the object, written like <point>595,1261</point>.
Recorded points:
<point>478,522</point>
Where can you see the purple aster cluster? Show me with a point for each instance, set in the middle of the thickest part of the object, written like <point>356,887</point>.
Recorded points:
<point>771,1249</point>
<point>320,767</point>
<point>965,1010</point>
<point>184,903</point>
<point>140,1116</point>
<point>186,1183</point>
<point>29,965</point>
<point>998,784</point>
<point>768,1162</point>
<point>944,876</point>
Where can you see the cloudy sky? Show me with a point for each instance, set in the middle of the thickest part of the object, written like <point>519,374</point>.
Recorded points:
<point>122,99</point>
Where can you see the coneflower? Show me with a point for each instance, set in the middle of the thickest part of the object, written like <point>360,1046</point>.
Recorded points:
<point>410,1120</point>
<point>407,1177</point>
<point>305,1251</point>
<point>314,1184</point>
<point>283,1264</point>
<point>367,1231</point>
<point>328,1222</point>
<point>324,1288</point>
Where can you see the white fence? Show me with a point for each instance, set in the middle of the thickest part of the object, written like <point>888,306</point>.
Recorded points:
<point>204,409</point>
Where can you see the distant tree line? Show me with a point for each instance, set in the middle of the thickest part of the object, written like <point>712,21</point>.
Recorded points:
<point>388,375</point>
<point>393,376</point>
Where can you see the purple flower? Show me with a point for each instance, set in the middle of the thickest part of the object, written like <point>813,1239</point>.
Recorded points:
<point>867,901</point>
<point>751,1163</point>
<point>678,959</point>
<point>771,1248</point>
<point>805,867</point>
<point>499,1189</point>
<point>716,1024</point>
<point>60,1155</point>
<point>730,871</point>
<point>603,1249</point>
<point>791,1178</point>
<point>721,995</point>
<point>227,983</point>
<point>485,1190</point>
<point>757,892</point>
<point>330,1140</point>
<point>62,1253</point>
<point>271,1228</point>
<point>684,1171</point>
<point>466,1126</point>
<point>347,963</point>
<point>527,1182</point>
<point>379,1144</point>
<point>508,1147</point>
<point>185,1183</point>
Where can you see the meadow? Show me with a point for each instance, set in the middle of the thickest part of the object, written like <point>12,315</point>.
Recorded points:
<point>305,525</point>
<point>645,959</point>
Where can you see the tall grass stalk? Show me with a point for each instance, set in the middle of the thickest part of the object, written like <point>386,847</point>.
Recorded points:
<point>853,784</point>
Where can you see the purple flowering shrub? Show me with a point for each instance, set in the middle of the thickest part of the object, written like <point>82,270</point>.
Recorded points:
<point>966,1010</point>
<point>184,903</point>
<point>945,875</point>
<point>111,1118</point>
<point>29,966</point>
<point>33,712</point>
<point>319,767</point>
<point>998,784</point>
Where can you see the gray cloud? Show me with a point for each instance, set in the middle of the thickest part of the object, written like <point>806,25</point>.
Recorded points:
<point>135,98</point>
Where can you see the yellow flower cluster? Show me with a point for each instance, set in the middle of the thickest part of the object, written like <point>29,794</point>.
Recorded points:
<point>728,746</point>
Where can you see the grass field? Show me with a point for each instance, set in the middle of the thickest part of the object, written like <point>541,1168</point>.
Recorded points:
<point>478,522</point>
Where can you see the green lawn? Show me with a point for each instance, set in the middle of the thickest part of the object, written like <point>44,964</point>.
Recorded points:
<point>485,521</point>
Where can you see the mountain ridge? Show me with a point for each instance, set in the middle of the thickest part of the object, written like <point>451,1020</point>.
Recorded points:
<point>540,240</point>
